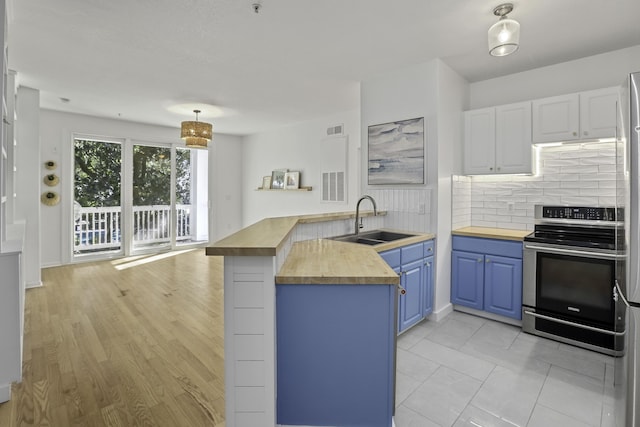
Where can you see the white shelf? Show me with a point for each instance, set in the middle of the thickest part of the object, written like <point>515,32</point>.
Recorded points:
<point>284,190</point>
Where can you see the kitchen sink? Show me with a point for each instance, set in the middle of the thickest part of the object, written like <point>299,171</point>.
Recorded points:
<point>373,237</point>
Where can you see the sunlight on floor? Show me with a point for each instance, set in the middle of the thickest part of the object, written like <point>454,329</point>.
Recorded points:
<point>134,261</point>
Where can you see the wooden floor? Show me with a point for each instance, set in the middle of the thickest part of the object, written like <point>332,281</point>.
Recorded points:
<point>132,342</point>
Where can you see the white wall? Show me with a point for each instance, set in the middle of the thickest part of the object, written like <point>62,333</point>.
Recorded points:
<point>29,173</point>
<point>225,186</point>
<point>297,148</point>
<point>58,129</point>
<point>453,99</point>
<point>594,72</point>
<point>398,95</point>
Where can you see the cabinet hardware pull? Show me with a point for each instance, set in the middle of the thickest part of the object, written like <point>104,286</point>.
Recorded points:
<point>488,260</point>
<point>479,259</point>
<point>402,290</point>
<point>575,133</point>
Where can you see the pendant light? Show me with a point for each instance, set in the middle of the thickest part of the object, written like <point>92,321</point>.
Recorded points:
<point>196,134</point>
<point>504,35</point>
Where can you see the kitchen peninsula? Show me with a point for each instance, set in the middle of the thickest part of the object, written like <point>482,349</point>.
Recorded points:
<point>295,254</point>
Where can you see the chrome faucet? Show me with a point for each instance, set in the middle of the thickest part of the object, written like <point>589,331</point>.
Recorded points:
<point>358,219</point>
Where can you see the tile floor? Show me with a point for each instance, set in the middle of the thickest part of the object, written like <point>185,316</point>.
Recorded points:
<point>470,371</point>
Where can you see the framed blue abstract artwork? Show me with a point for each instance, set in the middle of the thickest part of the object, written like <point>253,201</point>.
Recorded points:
<point>396,152</point>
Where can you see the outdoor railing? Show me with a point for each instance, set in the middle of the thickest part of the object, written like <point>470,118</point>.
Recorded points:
<point>100,228</point>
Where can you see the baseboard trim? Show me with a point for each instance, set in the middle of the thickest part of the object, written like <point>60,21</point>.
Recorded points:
<point>37,284</point>
<point>442,313</point>
<point>5,392</point>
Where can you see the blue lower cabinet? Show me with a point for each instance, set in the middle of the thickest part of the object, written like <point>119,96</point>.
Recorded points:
<point>467,279</point>
<point>487,275</point>
<point>335,355</point>
<point>414,264</point>
<point>411,303</point>
<point>503,286</point>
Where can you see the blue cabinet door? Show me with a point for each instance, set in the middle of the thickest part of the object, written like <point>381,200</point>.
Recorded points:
<point>427,288</point>
<point>335,355</point>
<point>503,286</point>
<point>410,310</point>
<point>467,277</point>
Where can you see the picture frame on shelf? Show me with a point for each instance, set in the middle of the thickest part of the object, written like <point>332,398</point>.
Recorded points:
<point>277,179</point>
<point>266,182</point>
<point>292,180</point>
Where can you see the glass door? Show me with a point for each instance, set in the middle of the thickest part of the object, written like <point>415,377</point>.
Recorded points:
<point>151,197</point>
<point>192,201</point>
<point>97,207</point>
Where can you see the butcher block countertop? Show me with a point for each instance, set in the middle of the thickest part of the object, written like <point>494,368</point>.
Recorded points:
<point>318,261</point>
<point>329,262</point>
<point>492,233</point>
<point>265,237</point>
<point>325,261</point>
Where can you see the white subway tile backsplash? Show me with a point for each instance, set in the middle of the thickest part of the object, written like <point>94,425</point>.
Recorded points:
<point>581,169</point>
<point>579,201</point>
<point>578,154</point>
<point>607,201</point>
<point>598,177</point>
<point>579,184</point>
<point>595,192</point>
<point>608,184</point>
<point>599,160</point>
<point>561,162</point>
<point>559,191</point>
<point>608,168</point>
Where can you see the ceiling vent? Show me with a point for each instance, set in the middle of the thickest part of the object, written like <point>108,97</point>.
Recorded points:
<point>337,130</point>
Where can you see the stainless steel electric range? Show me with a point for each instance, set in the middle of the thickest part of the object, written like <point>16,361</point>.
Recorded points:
<point>569,269</point>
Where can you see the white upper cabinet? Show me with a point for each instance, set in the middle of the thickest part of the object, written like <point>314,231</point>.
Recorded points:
<point>556,118</point>
<point>480,141</point>
<point>513,138</point>
<point>584,115</point>
<point>498,140</point>
<point>598,113</point>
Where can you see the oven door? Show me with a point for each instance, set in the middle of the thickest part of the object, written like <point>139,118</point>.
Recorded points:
<point>572,282</point>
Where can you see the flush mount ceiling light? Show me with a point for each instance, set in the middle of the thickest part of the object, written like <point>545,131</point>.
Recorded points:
<point>504,35</point>
<point>196,134</point>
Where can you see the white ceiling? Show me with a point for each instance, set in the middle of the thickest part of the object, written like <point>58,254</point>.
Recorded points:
<point>296,60</point>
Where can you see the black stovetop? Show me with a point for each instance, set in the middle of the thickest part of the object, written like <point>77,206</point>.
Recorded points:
<point>578,236</point>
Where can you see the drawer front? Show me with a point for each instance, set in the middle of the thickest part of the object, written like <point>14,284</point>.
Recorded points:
<point>507,248</point>
<point>429,248</point>
<point>411,253</point>
<point>391,257</point>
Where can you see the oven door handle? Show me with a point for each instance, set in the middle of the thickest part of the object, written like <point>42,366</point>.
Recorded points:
<point>577,325</point>
<point>574,252</point>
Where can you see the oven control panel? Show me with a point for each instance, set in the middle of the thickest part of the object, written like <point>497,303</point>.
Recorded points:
<point>580,213</point>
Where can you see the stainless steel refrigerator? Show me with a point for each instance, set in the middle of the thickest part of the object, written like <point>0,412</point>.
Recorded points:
<point>627,291</point>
